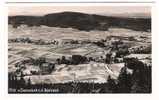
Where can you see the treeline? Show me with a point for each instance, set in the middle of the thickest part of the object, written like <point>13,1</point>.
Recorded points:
<point>141,50</point>
<point>139,81</point>
<point>36,42</point>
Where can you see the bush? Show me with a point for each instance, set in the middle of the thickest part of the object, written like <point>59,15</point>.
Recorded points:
<point>78,59</point>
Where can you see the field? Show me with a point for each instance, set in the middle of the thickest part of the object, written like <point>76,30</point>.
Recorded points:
<point>91,71</point>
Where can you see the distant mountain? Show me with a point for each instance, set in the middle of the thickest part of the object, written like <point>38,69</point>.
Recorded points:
<point>82,21</point>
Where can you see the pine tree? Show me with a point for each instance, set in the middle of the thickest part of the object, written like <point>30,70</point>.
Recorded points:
<point>124,81</point>
<point>112,87</point>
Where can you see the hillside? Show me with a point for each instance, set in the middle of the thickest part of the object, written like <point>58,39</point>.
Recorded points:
<point>82,21</point>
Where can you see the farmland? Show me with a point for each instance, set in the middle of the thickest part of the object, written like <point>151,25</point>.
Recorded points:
<point>74,55</point>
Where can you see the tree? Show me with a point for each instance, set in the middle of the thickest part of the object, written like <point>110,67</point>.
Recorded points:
<point>64,60</point>
<point>141,76</point>
<point>29,83</point>
<point>124,81</point>
<point>78,59</point>
<point>58,61</point>
<point>112,87</point>
<point>108,58</point>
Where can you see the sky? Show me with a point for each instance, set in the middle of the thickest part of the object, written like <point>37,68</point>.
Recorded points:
<point>103,10</point>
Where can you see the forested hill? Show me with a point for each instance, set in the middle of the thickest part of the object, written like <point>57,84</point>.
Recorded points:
<point>82,21</point>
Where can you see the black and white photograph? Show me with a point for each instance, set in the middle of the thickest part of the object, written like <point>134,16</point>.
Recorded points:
<point>79,49</point>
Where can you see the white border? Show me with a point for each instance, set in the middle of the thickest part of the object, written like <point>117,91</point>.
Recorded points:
<point>4,59</point>
<point>79,4</point>
<point>79,0</point>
